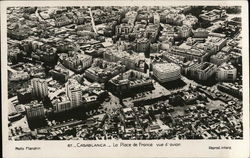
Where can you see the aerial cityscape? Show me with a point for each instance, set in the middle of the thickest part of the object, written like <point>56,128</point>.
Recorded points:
<point>124,72</point>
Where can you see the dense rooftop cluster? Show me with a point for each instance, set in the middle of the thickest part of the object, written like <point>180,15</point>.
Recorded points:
<point>98,73</point>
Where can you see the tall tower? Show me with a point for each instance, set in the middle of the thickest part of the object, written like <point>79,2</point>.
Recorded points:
<point>73,91</point>
<point>39,88</point>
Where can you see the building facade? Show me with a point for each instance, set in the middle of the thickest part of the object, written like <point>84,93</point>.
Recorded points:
<point>76,61</point>
<point>142,45</point>
<point>35,111</point>
<point>165,72</point>
<point>215,44</point>
<point>62,105</point>
<point>131,61</point>
<point>74,93</point>
<point>226,72</point>
<point>202,71</point>
<point>219,58</point>
<point>200,33</point>
<point>39,88</point>
<point>123,29</point>
<point>130,80</point>
<point>190,54</point>
<point>60,74</point>
<point>184,31</point>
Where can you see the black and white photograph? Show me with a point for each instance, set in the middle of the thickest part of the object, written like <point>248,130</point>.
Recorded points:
<point>91,73</point>
<point>119,73</point>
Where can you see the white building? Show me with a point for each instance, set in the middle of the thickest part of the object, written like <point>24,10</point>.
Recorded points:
<point>226,72</point>
<point>165,72</point>
<point>74,93</point>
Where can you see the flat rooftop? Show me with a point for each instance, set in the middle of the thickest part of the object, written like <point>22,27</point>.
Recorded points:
<point>166,67</point>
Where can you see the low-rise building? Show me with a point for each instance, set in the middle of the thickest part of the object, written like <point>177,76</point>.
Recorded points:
<point>102,71</point>
<point>123,29</point>
<point>219,58</point>
<point>62,21</point>
<point>151,32</point>
<point>190,54</point>
<point>184,31</point>
<point>127,117</point>
<point>200,33</point>
<point>61,103</point>
<point>130,80</point>
<point>190,20</point>
<point>215,44</point>
<point>24,95</point>
<point>230,88</point>
<point>175,19</point>
<point>19,76</point>
<point>76,61</point>
<point>200,71</point>
<point>60,74</point>
<point>142,45</point>
<point>213,14</point>
<point>131,61</point>
<point>35,110</point>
